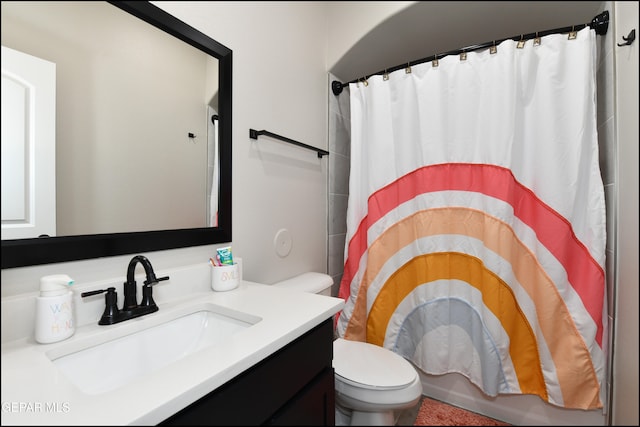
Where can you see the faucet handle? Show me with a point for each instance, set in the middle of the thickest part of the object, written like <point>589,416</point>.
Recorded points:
<point>147,293</point>
<point>90,293</point>
<point>154,280</point>
<point>110,305</point>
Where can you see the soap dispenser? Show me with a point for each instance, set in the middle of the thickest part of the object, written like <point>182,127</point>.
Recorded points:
<point>54,310</point>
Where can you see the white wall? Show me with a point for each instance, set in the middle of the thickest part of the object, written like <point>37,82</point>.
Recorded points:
<point>625,362</point>
<point>351,20</point>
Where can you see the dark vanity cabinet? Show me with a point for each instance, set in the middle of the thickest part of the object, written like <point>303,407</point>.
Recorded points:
<point>294,386</point>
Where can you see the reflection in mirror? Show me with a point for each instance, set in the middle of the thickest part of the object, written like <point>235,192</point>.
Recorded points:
<point>127,103</point>
<point>139,109</point>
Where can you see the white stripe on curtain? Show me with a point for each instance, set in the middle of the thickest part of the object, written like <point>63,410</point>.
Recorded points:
<point>476,220</point>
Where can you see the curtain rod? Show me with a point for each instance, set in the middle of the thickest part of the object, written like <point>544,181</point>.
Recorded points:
<point>599,23</point>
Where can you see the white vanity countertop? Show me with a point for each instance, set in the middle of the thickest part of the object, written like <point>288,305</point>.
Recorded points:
<point>34,392</point>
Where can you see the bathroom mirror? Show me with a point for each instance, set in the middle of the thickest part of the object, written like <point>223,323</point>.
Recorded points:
<point>165,220</point>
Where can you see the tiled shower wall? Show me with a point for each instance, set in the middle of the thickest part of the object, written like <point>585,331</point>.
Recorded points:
<point>340,149</point>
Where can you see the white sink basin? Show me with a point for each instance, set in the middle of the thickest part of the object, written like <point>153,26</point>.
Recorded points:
<point>109,365</point>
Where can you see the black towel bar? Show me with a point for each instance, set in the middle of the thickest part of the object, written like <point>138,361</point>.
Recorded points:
<point>254,134</point>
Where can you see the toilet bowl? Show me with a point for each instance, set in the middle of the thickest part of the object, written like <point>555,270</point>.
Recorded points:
<point>372,383</point>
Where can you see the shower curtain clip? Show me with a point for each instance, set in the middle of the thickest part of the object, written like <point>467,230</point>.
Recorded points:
<point>408,69</point>
<point>385,76</point>
<point>365,81</point>
<point>573,34</point>
<point>536,41</point>
<point>463,56</point>
<point>521,42</point>
<point>493,49</point>
<point>435,63</point>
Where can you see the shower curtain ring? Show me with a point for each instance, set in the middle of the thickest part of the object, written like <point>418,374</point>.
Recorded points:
<point>536,41</point>
<point>408,69</point>
<point>385,76</point>
<point>435,61</point>
<point>573,34</point>
<point>520,44</point>
<point>493,49</point>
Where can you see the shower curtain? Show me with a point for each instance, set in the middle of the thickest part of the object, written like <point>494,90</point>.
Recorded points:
<point>476,219</point>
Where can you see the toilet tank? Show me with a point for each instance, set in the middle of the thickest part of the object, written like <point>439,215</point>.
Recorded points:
<point>312,282</point>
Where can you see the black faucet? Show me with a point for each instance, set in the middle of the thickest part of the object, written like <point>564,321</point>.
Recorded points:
<point>130,289</point>
<point>130,308</point>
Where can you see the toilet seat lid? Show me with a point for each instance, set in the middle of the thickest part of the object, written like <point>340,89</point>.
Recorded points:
<point>370,365</point>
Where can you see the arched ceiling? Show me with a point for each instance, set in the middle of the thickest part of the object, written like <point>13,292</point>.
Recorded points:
<point>429,27</point>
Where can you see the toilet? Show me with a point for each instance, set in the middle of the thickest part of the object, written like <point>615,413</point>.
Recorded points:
<point>372,383</point>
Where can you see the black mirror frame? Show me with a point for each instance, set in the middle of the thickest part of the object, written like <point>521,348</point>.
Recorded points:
<point>47,250</point>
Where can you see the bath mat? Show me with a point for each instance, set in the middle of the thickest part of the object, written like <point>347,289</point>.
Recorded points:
<point>435,413</point>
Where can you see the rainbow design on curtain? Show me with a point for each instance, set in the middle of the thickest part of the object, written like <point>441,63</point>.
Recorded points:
<point>475,244</point>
